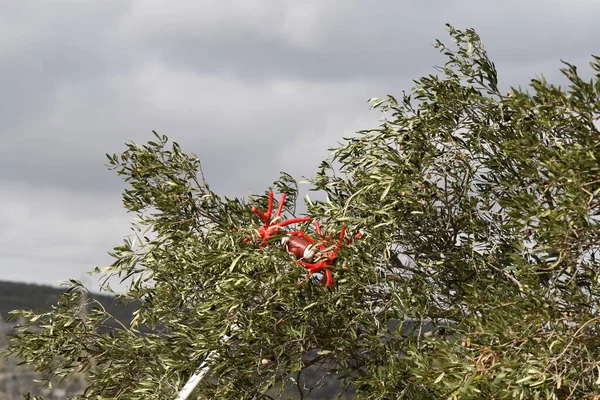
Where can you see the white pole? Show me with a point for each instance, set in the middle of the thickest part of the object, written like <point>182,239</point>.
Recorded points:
<point>195,378</point>
<point>202,370</point>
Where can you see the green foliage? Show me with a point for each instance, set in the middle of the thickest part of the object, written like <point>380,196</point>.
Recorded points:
<point>481,212</point>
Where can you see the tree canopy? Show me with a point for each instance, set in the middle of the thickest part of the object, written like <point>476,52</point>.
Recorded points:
<point>480,216</point>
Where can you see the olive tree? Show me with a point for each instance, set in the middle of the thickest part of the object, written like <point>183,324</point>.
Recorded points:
<point>480,217</point>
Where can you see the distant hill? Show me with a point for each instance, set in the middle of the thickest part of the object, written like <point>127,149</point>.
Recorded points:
<point>16,295</point>
<point>15,380</point>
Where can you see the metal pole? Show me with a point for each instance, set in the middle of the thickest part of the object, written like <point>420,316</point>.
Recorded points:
<point>196,377</point>
<point>202,370</point>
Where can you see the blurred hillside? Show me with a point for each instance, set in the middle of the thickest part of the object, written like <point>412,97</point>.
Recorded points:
<point>15,295</point>
<point>15,380</point>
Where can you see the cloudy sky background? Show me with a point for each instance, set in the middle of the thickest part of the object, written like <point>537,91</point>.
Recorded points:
<point>252,87</point>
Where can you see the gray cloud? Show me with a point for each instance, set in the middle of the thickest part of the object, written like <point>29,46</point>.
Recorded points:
<point>340,40</point>
<point>252,87</point>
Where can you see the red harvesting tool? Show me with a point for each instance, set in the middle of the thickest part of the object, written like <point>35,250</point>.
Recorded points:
<point>315,255</point>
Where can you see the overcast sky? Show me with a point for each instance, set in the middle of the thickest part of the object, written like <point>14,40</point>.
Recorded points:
<point>252,87</point>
